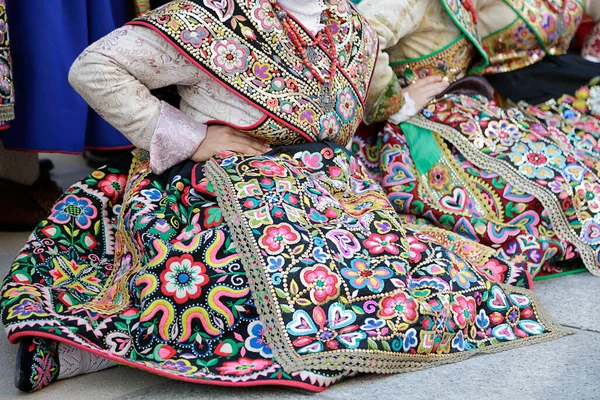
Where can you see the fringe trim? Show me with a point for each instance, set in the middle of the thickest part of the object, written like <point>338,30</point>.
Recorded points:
<point>372,361</point>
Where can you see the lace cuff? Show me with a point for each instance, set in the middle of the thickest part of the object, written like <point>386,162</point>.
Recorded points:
<point>175,139</point>
<point>408,110</point>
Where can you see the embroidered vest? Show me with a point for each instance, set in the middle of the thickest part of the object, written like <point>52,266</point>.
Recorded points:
<point>243,45</point>
<point>451,61</point>
<point>537,32</point>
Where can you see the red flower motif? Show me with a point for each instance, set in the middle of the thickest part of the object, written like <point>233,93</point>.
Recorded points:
<point>323,284</point>
<point>270,168</point>
<point>276,236</point>
<point>377,244</point>
<point>243,366</point>
<point>399,305</point>
<point>494,270</point>
<point>113,185</point>
<point>464,312</point>
<point>183,278</point>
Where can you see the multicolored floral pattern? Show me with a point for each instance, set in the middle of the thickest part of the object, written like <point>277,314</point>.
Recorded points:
<point>241,44</point>
<point>176,303</point>
<point>338,271</point>
<point>553,150</point>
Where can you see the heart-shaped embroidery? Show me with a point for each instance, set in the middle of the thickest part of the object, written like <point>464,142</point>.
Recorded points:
<point>315,347</point>
<point>531,327</point>
<point>464,228</point>
<point>301,324</point>
<point>118,343</point>
<point>497,300</point>
<point>223,8</point>
<point>591,232</point>
<point>520,300</point>
<point>352,340</point>
<point>574,172</point>
<point>504,332</point>
<point>518,197</point>
<point>457,202</point>
<point>501,235</point>
<point>339,317</point>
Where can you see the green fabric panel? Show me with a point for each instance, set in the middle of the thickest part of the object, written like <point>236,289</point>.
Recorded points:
<point>424,150</point>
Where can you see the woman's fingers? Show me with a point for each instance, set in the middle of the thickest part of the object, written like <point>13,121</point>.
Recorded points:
<point>241,137</point>
<point>434,89</point>
<point>250,144</point>
<point>428,80</point>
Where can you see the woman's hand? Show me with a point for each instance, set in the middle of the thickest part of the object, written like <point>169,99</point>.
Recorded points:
<point>426,89</point>
<point>223,138</point>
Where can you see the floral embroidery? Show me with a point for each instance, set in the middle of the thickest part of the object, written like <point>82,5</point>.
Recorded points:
<point>183,278</point>
<point>378,244</point>
<point>195,37</point>
<point>230,56</point>
<point>361,276</point>
<point>277,236</point>
<point>81,210</point>
<point>323,284</point>
<point>439,177</point>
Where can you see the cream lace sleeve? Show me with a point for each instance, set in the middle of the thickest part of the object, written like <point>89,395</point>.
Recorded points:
<point>115,76</point>
<point>391,20</point>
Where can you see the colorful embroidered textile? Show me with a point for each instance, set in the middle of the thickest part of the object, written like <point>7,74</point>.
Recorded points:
<point>141,7</point>
<point>7,99</point>
<point>525,186</point>
<point>250,64</point>
<point>298,260</point>
<point>541,28</point>
<point>290,268</point>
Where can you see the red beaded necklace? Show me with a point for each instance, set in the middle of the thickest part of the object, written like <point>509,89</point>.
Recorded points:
<point>302,46</point>
<point>468,5</point>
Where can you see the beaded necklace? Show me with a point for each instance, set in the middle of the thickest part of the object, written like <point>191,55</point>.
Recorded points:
<point>468,5</point>
<point>308,53</point>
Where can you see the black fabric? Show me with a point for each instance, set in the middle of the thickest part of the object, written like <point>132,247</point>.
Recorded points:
<point>547,79</point>
<point>157,3</point>
<point>470,86</point>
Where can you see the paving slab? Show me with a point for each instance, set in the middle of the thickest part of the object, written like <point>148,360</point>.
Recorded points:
<point>573,300</point>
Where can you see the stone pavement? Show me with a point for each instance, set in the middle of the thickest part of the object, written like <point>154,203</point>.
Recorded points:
<point>567,368</point>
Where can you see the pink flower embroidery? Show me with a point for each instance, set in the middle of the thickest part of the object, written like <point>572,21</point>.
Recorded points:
<point>378,244</point>
<point>323,284</point>
<point>276,236</point>
<point>464,312</point>
<point>112,185</point>
<point>264,13</point>
<point>243,366</point>
<point>230,56</point>
<point>400,305</point>
<point>270,168</point>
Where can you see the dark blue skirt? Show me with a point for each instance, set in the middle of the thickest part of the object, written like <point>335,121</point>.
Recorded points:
<point>46,37</point>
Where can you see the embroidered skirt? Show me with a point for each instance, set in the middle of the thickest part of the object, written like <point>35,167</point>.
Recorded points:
<point>522,180</point>
<point>290,268</point>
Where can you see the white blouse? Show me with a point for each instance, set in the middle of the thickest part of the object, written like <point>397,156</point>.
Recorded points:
<point>115,75</point>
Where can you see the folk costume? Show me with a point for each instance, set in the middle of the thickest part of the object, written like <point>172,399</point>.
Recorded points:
<point>290,268</point>
<point>527,42</point>
<point>501,177</point>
